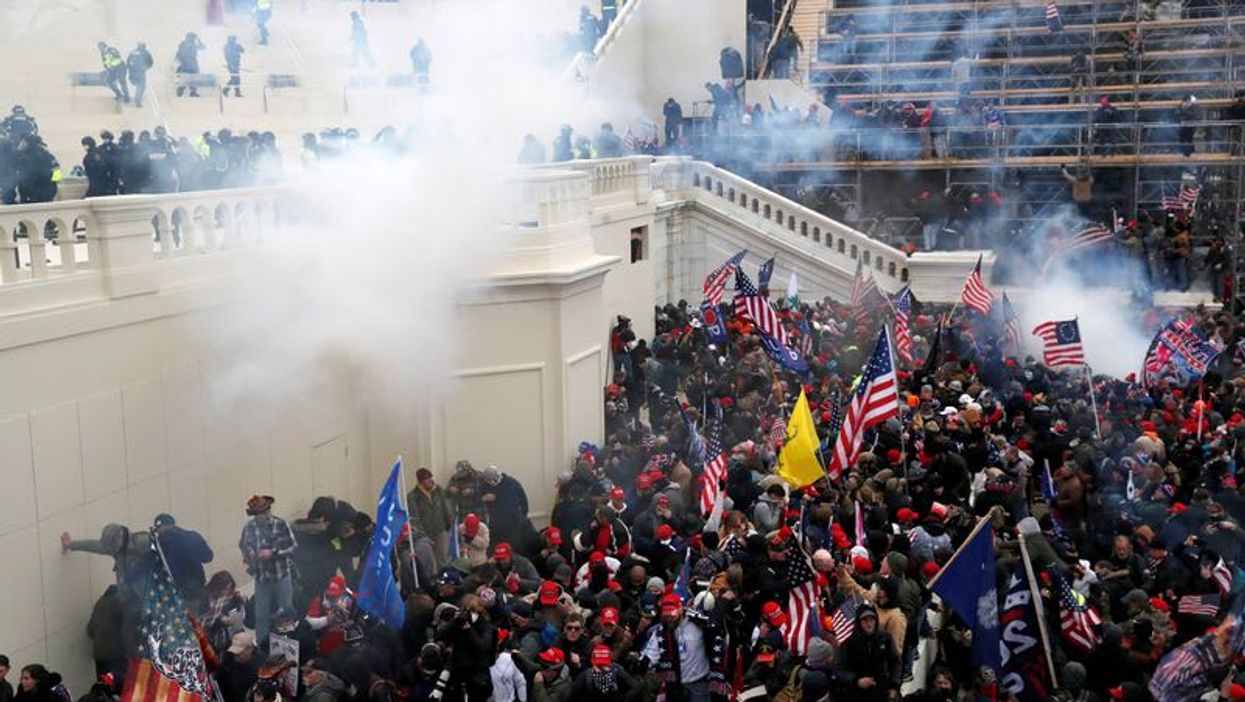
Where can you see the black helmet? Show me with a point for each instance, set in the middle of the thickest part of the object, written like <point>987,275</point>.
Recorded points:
<point>19,110</point>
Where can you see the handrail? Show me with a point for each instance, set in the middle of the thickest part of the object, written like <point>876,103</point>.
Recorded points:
<point>590,59</point>
<point>784,21</point>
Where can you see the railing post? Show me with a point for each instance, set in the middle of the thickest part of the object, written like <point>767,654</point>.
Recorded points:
<point>9,267</point>
<point>38,250</point>
<point>123,233</point>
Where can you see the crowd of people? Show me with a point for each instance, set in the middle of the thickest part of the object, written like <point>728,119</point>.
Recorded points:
<point>1129,504</point>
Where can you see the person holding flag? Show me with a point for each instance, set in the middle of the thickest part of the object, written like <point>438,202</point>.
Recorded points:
<point>379,594</point>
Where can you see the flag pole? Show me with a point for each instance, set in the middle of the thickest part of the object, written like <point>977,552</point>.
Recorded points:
<point>1093,400</point>
<point>1037,604</point>
<point>981,522</point>
<point>410,532</point>
<point>1201,404</point>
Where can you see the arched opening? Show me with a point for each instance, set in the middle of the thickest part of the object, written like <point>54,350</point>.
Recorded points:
<point>855,252</point>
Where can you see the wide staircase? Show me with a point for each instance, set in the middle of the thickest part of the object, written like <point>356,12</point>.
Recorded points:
<point>869,59</point>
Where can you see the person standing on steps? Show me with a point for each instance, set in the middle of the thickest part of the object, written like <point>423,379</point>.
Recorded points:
<point>114,71</point>
<point>233,62</point>
<point>263,13</point>
<point>137,64</point>
<point>188,61</point>
<point>359,49</point>
<point>267,546</point>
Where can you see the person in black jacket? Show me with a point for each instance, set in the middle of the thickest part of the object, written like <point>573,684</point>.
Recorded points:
<point>507,507</point>
<point>868,666</point>
<point>188,61</point>
<point>472,644</point>
<point>673,112</point>
<point>185,551</point>
<point>605,681</point>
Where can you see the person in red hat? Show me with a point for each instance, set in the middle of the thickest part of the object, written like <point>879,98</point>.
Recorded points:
<point>596,573</point>
<point>676,652</point>
<point>618,503</point>
<point>553,680</point>
<point>605,681</point>
<point>513,573</point>
<point>473,540</point>
<point>552,544</point>
<point>772,618</point>
<point>607,534</point>
<point>611,633</point>
<point>330,614</point>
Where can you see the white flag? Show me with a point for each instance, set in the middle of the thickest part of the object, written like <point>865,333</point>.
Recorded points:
<point>793,289</point>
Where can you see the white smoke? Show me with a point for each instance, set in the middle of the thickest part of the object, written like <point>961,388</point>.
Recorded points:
<point>367,281</point>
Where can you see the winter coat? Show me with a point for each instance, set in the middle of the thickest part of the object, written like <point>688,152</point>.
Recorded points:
<point>104,627</point>
<point>186,551</point>
<point>431,510</point>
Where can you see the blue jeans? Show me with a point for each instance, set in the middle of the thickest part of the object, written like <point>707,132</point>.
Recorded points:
<point>929,235</point>
<point>267,594</point>
<point>690,692</point>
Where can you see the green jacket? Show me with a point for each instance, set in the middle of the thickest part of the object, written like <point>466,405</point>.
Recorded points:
<point>433,513</point>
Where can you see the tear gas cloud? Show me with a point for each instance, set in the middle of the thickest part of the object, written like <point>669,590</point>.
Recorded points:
<point>367,279</point>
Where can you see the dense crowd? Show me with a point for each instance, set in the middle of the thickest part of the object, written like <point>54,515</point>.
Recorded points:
<point>635,591</point>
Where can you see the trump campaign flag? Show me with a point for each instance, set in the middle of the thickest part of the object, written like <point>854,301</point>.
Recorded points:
<point>378,589</point>
<point>966,584</point>
<point>1024,664</point>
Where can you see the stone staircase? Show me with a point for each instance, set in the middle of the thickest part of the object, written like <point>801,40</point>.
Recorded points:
<point>806,21</point>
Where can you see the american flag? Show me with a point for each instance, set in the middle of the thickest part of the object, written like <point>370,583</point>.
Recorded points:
<point>715,282</point>
<point>1185,202</point>
<point>843,620</point>
<point>732,547</point>
<point>171,666</point>
<point>1011,325</point>
<point>875,401</point>
<point>1078,620</point>
<point>715,464</point>
<point>1089,236</point>
<point>1054,22</point>
<point>1181,344</point>
<point>863,285</point>
<point>802,616</point>
<point>1222,575</point>
<point>976,295</point>
<point>860,525</point>
<point>903,338</point>
<point>750,305</point>
<point>1198,605</point>
<point>777,431</point>
<point>1062,343</point>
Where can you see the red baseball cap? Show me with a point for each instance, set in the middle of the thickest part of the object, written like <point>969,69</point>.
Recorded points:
<point>597,557</point>
<point>549,593</point>
<point>609,615</point>
<point>617,493</point>
<point>671,603</point>
<point>471,525</point>
<point>862,565</point>
<point>773,614</point>
<point>663,500</point>
<point>601,656</point>
<point>552,656</point>
<point>337,586</point>
<point>554,536</point>
<point>501,551</point>
<point>665,531</point>
<point>644,482</point>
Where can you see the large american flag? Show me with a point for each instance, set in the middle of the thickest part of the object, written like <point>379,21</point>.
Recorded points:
<point>976,295</point>
<point>843,620</point>
<point>715,463</point>
<point>1090,235</point>
<point>715,282</point>
<point>903,337</point>
<point>751,306</point>
<point>1078,620</point>
<point>1054,22</point>
<point>1061,343</point>
<point>863,285</point>
<point>1198,605</point>
<point>170,666</point>
<point>802,616</point>
<point>1011,325</point>
<point>875,401</point>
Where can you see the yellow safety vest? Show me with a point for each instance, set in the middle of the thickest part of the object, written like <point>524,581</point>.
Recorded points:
<point>112,59</point>
<point>57,176</point>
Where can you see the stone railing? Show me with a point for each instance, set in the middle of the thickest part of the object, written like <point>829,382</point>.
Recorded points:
<point>613,181</point>
<point>837,244</point>
<point>117,242</point>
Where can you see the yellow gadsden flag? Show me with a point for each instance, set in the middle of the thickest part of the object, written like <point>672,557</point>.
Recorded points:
<point>797,462</point>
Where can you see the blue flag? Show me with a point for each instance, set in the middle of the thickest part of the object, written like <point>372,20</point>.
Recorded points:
<point>715,326</point>
<point>378,589</point>
<point>763,275</point>
<point>1024,671</point>
<point>966,584</point>
<point>787,357</point>
<point>453,549</point>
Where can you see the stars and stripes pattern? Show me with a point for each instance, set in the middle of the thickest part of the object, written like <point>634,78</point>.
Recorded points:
<point>1011,326</point>
<point>751,306</point>
<point>1078,620</point>
<point>1185,201</point>
<point>843,620</point>
<point>802,609</point>
<point>875,401</point>
<point>1089,236</point>
<point>1061,343</point>
<point>143,682</point>
<point>860,525</point>
<point>168,643</point>
<point>1222,575</point>
<point>1054,22</point>
<point>1180,344</point>
<point>903,337</point>
<point>715,282</point>
<point>863,285</point>
<point>715,463</point>
<point>975,294</point>
<point>1198,605</point>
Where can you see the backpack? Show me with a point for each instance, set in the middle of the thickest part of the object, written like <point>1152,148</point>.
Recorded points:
<point>793,691</point>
